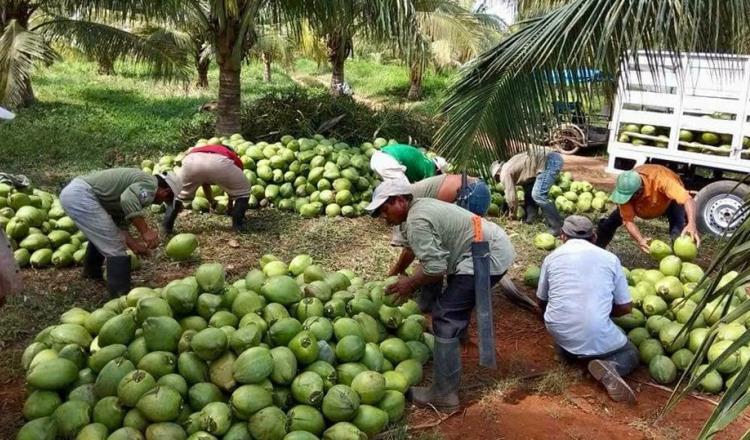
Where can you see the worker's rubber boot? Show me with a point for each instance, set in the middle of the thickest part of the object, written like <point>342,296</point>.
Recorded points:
<point>446,378</point>
<point>92,263</point>
<point>553,218</point>
<point>238,214</point>
<point>531,214</point>
<point>171,216</point>
<point>606,373</point>
<point>118,275</point>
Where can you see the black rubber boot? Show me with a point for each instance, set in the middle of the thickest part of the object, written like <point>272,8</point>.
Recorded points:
<point>170,216</point>
<point>553,218</point>
<point>238,214</point>
<point>446,378</point>
<point>92,263</point>
<point>118,275</point>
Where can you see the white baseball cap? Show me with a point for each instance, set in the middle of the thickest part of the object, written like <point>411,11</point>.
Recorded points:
<point>440,163</point>
<point>389,188</point>
<point>7,115</point>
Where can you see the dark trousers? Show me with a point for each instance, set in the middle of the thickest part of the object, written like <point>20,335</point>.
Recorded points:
<point>625,358</point>
<point>607,227</point>
<point>451,307</point>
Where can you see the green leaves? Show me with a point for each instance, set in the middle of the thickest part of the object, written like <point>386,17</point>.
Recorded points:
<point>19,51</point>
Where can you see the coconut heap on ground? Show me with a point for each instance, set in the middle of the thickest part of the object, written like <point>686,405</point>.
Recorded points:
<point>38,230</point>
<point>289,352</point>
<point>311,176</point>
<point>570,197</point>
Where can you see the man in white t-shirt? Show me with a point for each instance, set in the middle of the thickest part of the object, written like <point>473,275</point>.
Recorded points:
<point>580,288</point>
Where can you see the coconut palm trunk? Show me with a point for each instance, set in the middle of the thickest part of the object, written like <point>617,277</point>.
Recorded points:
<point>339,48</point>
<point>228,112</point>
<point>202,68</point>
<point>202,64</point>
<point>230,87</point>
<point>266,58</point>
<point>106,65</point>
<point>415,78</point>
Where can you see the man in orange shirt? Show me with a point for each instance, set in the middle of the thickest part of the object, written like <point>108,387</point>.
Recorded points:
<point>649,191</point>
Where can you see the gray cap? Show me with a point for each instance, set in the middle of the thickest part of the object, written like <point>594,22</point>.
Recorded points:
<point>5,114</point>
<point>578,226</point>
<point>388,188</point>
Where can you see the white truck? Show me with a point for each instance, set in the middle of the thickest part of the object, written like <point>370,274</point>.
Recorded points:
<point>692,115</point>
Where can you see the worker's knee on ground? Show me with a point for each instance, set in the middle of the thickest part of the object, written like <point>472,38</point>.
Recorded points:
<point>626,360</point>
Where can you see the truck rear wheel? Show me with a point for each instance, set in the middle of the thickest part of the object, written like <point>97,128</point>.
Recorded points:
<point>718,206</point>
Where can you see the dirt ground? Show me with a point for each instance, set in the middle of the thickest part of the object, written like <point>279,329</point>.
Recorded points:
<point>591,168</point>
<point>533,396</point>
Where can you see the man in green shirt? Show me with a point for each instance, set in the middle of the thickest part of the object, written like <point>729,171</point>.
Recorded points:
<point>103,204</point>
<point>440,236</point>
<point>405,162</point>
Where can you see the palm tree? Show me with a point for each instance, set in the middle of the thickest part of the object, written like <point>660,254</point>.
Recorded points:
<point>232,27</point>
<point>272,46</point>
<point>503,99</point>
<point>29,29</point>
<point>379,21</point>
<point>449,33</point>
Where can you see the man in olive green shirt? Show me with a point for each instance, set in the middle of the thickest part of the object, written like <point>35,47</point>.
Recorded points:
<point>103,204</point>
<point>405,162</point>
<point>440,235</point>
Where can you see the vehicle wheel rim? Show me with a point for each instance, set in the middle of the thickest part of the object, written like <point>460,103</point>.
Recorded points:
<point>720,214</point>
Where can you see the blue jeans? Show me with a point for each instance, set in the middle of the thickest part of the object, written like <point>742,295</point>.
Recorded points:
<point>607,227</point>
<point>451,306</point>
<point>537,193</point>
<point>625,358</point>
<point>475,198</point>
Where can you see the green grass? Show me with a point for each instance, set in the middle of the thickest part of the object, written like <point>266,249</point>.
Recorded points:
<point>387,84</point>
<point>85,121</point>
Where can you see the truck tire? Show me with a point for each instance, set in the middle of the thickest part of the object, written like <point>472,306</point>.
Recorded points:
<point>718,204</point>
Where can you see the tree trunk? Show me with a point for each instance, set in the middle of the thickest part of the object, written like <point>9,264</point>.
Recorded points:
<point>202,67</point>
<point>106,65</point>
<point>266,58</point>
<point>415,77</point>
<point>27,94</point>
<point>339,48</point>
<point>228,112</point>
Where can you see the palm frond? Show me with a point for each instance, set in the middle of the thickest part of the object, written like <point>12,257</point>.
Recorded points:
<point>20,50</point>
<point>503,100</point>
<point>126,10</point>
<point>165,61</point>
<point>310,45</point>
<point>274,45</point>
<point>725,283</point>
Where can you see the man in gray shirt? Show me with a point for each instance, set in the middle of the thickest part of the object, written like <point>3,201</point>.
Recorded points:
<point>440,235</point>
<point>580,287</point>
